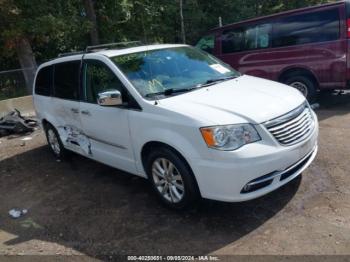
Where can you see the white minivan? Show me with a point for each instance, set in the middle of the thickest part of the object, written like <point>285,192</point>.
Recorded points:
<point>176,115</point>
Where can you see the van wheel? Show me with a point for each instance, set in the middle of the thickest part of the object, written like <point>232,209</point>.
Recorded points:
<point>305,85</point>
<point>171,178</point>
<point>54,141</point>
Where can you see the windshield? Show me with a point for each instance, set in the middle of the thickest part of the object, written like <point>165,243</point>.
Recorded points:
<point>156,72</point>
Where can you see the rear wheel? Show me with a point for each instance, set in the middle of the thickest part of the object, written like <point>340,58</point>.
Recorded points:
<point>305,85</point>
<point>171,178</point>
<point>54,141</point>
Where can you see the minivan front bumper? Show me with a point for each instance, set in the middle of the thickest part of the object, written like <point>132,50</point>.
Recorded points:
<point>253,170</point>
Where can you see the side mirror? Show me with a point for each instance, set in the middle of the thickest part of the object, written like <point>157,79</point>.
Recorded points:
<point>110,98</point>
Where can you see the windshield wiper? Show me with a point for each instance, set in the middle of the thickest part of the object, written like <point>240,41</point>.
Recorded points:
<point>170,91</point>
<point>216,80</point>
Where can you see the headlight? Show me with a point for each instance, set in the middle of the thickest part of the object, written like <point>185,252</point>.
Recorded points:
<point>230,137</point>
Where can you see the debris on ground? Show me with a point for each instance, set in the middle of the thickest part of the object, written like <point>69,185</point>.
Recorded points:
<point>29,223</point>
<point>16,213</point>
<point>27,138</point>
<point>15,123</point>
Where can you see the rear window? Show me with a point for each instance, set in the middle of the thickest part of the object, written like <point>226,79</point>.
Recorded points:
<point>307,28</point>
<point>43,83</point>
<point>66,80</point>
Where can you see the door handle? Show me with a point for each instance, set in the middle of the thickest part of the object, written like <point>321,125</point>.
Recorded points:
<point>75,110</point>
<point>85,112</point>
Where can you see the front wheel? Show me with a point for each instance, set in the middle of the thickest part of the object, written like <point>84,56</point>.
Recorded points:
<point>171,178</point>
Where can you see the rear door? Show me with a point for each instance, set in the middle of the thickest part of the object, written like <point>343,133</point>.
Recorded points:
<point>64,108</point>
<point>107,127</point>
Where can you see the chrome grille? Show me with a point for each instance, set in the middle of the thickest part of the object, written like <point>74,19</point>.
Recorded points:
<point>293,127</point>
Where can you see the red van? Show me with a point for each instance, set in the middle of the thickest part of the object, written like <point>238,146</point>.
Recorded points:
<point>306,48</point>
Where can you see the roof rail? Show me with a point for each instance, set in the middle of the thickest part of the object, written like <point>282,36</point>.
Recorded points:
<point>109,46</point>
<point>102,47</point>
<point>71,53</point>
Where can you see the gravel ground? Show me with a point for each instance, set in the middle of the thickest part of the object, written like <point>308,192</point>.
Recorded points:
<point>84,208</point>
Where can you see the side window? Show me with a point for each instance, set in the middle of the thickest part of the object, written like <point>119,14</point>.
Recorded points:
<point>307,28</point>
<point>257,37</point>
<point>207,43</point>
<point>249,38</point>
<point>232,40</point>
<point>99,78</point>
<point>66,80</point>
<point>43,83</point>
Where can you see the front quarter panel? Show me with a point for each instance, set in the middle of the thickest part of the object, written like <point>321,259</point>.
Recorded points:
<point>175,130</point>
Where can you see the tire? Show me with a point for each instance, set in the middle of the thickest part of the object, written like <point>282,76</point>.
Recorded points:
<point>54,142</point>
<point>305,85</point>
<point>178,183</point>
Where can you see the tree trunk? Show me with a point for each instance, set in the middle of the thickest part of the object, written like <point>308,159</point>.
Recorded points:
<point>91,15</point>
<point>27,61</point>
<point>183,34</point>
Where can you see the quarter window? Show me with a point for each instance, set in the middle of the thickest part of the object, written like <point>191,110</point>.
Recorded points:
<point>99,78</point>
<point>307,28</point>
<point>66,80</point>
<point>43,82</point>
<point>207,43</point>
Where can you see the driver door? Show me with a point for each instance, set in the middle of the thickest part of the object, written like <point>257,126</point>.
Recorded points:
<point>107,127</point>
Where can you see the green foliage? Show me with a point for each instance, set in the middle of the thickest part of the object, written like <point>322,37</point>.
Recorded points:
<point>50,26</point>
<point>59,26</point>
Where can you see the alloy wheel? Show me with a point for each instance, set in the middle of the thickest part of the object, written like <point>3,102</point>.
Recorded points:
<point>168,180</point>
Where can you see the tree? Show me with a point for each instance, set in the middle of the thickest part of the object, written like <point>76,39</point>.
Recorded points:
<point>18,40</point>
<point>27,60</point>
<point>91,15</point>
<point>30,28</point>
<point>183,34</point>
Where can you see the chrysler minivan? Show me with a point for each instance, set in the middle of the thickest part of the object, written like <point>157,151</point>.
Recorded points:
<point>179,117</point>
<point>306,48</point>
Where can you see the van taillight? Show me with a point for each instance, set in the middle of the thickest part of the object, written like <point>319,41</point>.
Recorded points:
<point>348,23</point>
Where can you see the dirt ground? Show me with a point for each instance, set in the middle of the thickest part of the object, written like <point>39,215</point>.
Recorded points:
<point>85,208</point>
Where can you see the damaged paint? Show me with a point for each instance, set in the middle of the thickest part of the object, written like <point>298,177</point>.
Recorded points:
<point>75,139</point>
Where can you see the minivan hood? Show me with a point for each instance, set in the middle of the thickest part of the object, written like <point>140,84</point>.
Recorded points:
<point>244,99</point>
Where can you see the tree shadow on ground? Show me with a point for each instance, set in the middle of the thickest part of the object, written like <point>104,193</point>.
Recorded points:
<point>98,210</point>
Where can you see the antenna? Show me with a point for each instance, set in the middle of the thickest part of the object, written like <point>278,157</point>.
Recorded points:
<point>220,21</point>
